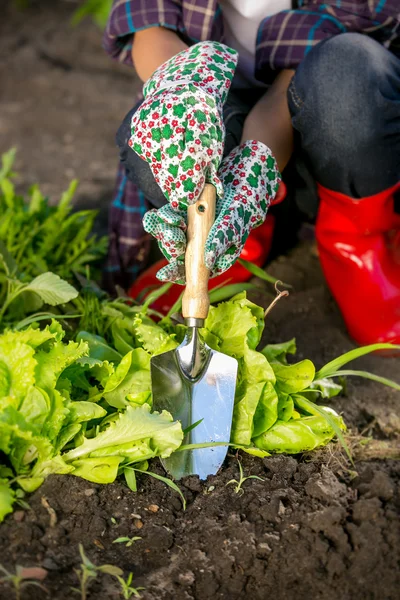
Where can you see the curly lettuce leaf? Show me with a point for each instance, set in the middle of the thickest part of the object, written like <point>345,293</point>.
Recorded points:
<point>17,367</point>
<point>229,324</point>
<point>132,426</point>
<point>22,444</point>
<point>52,363</point>
<point>152,337</point>
<point>33,337</point>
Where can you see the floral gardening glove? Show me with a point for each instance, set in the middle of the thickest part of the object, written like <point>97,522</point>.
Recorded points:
<point>251,179</point>
<point>179,128</point>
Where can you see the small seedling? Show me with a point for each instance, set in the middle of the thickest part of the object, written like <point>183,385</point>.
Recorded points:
<point>89,571</point>
<point>242,479</point>
<point>129,540</point>
<point>127,590</point>
<point>22,578</point>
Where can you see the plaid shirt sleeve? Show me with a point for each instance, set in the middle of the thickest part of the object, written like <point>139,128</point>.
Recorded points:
<point>129,244</point>
<point>129,16</point>
<point>285,38</point>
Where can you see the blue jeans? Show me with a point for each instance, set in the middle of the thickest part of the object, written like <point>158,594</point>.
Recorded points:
<point>345,105</point>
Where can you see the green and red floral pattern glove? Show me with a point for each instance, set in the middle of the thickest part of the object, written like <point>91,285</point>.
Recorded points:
<point>251,179</point>
<point>179,128</point>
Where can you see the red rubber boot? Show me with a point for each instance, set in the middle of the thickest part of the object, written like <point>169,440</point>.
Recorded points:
<point>359,249</point>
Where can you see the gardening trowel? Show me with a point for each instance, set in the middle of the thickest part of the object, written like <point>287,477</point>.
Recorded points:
<point>193,382</point>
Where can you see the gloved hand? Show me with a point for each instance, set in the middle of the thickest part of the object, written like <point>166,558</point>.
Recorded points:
<point>179,128</point>
<point>251,179</point>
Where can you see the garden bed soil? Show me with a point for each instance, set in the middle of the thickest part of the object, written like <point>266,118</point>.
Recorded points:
<point>315,526</point>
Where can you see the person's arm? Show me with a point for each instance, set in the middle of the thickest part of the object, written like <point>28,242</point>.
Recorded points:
<point>269,120</point>
<point>152,47</point>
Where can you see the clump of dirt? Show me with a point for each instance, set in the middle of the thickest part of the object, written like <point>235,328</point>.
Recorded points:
<point>301,532</point>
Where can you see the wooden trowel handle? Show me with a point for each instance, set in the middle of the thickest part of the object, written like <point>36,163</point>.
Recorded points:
<point>201,216</point>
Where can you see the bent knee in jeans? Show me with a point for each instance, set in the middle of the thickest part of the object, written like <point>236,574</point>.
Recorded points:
<point>344,102</point>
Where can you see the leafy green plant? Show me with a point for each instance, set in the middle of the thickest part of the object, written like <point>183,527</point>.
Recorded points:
<point>127,589</point>
<point>46,288</point>
<point>242,479</point>
<point>128,541</point>
<point>42,237</point>
<point>88,571</point>
<point>22,578</point>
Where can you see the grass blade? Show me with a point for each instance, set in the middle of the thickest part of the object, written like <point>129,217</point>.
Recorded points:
<point>153,296</point>
<point>367,375</point>
<point>204,445</point>
<point>260,273</point>
<point>192,426</point>
<point>43,317</point>
<point>168,482</point>
<point>334,365</point>
<point>227,291</point>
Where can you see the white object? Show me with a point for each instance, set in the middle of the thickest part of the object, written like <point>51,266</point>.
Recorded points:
<point>242,19</point>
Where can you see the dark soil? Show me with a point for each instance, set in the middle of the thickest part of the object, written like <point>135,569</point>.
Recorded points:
<point>315,527</point>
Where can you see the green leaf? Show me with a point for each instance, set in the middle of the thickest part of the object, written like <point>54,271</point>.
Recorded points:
<point>18,365</point>
<point>285,407</point>
<point>131,377</point>
<point>266,412</point>
<point>130,478</point>
<point>258,272</point>
<point>52,289</point>
<point>111,570</point>
<point>332,419</point>
<point>255,398</point>
<point>7,161</point>
<point>326,387</point>
<point>279,352</point>
<point>85,411</point>
<point>230,323</point>
<point>335,364</point>
<point>7,498</point>
<point>300,435</point>
<point>98,347</point>
<point>10,266</point>
<point>152,337</point>
<point>132,426</point>
<point>294,378</point>
<point>8,192</point>
<point>103,469</point>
